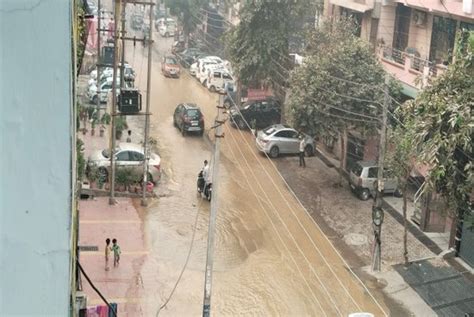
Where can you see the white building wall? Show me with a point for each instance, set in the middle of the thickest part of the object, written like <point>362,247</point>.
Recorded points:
<point>36,166</point>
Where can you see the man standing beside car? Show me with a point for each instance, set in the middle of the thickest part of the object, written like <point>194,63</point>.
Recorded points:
<point>302,146</point>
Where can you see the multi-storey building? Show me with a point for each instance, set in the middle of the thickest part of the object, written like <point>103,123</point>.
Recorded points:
<point>413,38</point>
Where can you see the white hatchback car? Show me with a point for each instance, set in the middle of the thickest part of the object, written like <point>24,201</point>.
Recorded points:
<point>126,155</point>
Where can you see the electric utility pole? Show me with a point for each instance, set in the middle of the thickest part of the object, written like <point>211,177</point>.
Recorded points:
<point>117,8</point>
<point>122,60</point>
<point>377,211</point>
<point>206,309</point>
<point>146,150</point>
<point>99,31</point>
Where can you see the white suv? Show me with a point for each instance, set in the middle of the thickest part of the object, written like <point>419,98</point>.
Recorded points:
<point>217,79</point>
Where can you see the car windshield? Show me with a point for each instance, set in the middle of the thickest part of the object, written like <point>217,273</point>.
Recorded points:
<point>192,113</point>
<point>269,131</point>
<point>170,60</point>
<point>357,169</point>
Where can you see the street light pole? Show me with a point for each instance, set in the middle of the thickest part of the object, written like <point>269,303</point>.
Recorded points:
<point>206,311</point>
<point>117,8</point>
<point>147,112</point>
<point>377,211</point>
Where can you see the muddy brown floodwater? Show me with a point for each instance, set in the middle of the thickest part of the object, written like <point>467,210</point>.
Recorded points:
<point>271,258</point>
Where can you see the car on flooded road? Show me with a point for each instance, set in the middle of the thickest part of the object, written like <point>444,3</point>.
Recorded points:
<point>188,117</point>
<point>170,66</point>
<point>281,139</point>
<point>256,114</point>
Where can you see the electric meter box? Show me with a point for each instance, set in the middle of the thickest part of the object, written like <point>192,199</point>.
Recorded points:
<point>130,101</point>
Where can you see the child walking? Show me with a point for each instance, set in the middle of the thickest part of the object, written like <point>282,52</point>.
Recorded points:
<point>116,249</point>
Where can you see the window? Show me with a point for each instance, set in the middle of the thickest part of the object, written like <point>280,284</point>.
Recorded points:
<point>227,76</point>
<point>123,156</point>
<point>442,40</point>
<point>217,74</point>
<point>136,156</point>
<point>171,61</point>
<point>402,27</point>
<point>373,172</point>
<point>293,134</point>
<point>282,134</point>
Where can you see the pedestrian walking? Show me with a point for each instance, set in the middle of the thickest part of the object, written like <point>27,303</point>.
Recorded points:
<point>116,249</point>
<point>129,137</point>
<point>302,146</point>
<point>107,253</point>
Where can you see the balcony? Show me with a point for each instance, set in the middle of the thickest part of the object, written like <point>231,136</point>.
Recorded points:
<point>408,67</point>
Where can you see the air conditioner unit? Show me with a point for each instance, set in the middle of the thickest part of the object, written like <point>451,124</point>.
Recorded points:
<point>419,18</point>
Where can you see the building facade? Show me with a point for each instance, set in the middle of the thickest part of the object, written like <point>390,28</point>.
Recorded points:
<point>37,166</point>
<point>414,39</point>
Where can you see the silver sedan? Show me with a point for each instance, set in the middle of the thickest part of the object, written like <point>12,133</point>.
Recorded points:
<point>281,139</point>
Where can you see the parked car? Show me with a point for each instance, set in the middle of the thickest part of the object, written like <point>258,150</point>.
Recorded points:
<point>105,88</point>
<point>126,155</point>
<point>168,29</point>
<point>217,79</point>
<point>188,118</point>
<point>163,21</point>
<point>170,66</point>
<point>363,178</point>
<point>281,139</point>
<point>108,71</point>
<point>137,21</point>
<point>178,47</point>
<point>189,56</point>
<point>260,113</point>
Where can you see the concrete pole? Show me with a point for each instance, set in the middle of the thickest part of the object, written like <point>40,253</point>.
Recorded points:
<point>122,60</point>
<point>206,310</point>
<point>117,8</point>
<point>147,111</point>
<point>377,256</point>
<point>99,18</point>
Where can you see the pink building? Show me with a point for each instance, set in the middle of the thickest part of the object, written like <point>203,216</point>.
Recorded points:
<point>413,38</point>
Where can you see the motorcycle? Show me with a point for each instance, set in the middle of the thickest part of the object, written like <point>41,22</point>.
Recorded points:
<point>205,189</point>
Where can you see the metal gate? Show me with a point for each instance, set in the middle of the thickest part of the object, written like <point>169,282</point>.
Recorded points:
<point>466,251</point>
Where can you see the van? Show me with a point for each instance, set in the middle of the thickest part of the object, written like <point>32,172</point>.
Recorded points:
<point>217,80</point>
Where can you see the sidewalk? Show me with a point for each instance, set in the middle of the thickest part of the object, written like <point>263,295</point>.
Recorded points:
<point>124,221</point>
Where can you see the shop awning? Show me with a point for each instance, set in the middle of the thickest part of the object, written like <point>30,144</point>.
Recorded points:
<point>351,4</point>
<point>447,8</point>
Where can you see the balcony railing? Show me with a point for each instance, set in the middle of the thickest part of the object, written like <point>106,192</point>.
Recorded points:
<point>411,63</point>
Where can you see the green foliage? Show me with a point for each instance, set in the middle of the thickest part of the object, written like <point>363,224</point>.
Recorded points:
<point>127,176</point>
<point>106,118</point>
<point>442,126</point>
<point>258,46</point>
<point>320,100</point>
<point>120,123</point>
<point>80,160</point>
<point>187,12</point>
<point>93,173</point>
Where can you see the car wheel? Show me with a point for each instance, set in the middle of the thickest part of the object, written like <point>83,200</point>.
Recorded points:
<point>309,150</point>
<point>201,133</point>
<point>212,89</point>
<point>103,174</point>
<point>204,82</point>
<point>167,34</point>
<point>398,193</point>
<point>274,151</point>
<point>183,131</point>
<point>241,123</point>
<point>95,99</point>
<point>364,194</point>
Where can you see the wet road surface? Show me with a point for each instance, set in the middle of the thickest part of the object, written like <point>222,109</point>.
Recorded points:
<point>271,258</point>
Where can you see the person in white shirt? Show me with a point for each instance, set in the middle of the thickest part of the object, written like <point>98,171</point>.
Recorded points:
<point>205,172</point>
<point>302,146</point>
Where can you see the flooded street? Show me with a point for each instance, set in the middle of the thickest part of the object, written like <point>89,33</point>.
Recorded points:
<point>270,257</point>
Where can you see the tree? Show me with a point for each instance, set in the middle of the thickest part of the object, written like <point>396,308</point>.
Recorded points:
<point>187,12</point>
<point>259,46</point>
<point>339,87</point>
<point>441,124</point>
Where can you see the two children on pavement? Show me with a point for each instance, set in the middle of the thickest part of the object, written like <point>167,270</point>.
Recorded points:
<point>115,248</point>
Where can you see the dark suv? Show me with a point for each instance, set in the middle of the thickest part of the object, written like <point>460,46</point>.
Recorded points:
<point>258,113</point>
<point>188,118</point>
